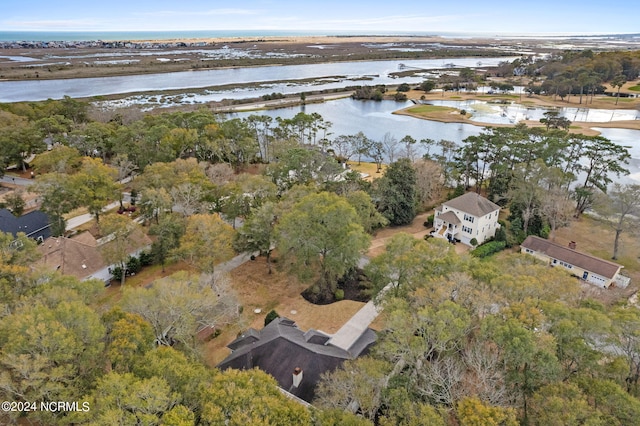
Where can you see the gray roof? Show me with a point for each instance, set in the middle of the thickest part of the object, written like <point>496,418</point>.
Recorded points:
<point>450,217</point>
<point>584,261</point>
<point>281,346</point>
<point>473,203</point>
<point>35,224</point>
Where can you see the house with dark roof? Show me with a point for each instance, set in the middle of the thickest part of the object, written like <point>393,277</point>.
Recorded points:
<point>34,224</point>
<point>295,358</point>
<point>467,217</point>
<point>585,266</point>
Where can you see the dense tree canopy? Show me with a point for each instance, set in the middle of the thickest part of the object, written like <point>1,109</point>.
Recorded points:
<point>396,193</point>
<point>464,341</point>
<point>322,235</point>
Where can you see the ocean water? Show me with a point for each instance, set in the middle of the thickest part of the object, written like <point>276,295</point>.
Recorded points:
<point>160,35</point>
<point>131,35</point>
<point>6,36</point>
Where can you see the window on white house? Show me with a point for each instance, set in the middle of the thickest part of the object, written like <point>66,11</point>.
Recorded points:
<point>566,265</point>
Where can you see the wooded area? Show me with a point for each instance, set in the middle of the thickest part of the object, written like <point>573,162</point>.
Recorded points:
<point>500,340</point>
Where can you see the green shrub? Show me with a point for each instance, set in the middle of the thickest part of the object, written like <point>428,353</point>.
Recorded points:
<point>339,294</point>
<point>545,231</point>
<point>400,97</point>
<point>116,273</point>
<point>377,96</point>
<point>473,242</point>
<point>146,258</point>
<point>458,191</point>
<point>488,249</point>
<point>271,315</point>
<point>133,265</point>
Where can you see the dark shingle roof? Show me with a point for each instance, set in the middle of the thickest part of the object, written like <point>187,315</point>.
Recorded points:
<point>280,347</point>
<point>35,224</point>
<point>582,260</point>
<point>473,204</point>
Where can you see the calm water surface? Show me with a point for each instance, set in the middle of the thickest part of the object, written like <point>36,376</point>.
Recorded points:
<point>375,119</point>
<point>341,74</point>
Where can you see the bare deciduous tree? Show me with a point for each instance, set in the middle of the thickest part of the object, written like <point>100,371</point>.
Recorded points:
<point>179,306</point>
<point>429,182</point>
<point>620,208</point>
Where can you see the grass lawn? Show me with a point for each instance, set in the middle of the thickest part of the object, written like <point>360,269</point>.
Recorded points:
<point>422,109</point>
<point>75,213</point>
<point>146,276</point>
<point>499,97</point>
<point>612,100</point>
<point>635,88</point>
<point>369,168</point>
<point>435,112</point>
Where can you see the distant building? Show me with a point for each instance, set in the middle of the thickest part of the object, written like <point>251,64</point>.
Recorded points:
<point>592,269</point>
<point>295,358</point>
<point>467,217</point>
<point>34,224</point>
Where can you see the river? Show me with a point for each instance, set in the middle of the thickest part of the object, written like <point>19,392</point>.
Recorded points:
<point>338,74</point>
<point>348,116</point>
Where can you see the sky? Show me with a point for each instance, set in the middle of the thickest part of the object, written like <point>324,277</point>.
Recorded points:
<point>370,17</point>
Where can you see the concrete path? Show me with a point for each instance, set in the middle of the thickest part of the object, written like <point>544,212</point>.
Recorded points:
<point>15,180</point>
<point>232,264</point>
<point>353,329</point>
<point>74,222</point>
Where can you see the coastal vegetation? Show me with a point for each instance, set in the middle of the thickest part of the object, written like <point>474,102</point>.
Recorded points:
<point>487,337</point>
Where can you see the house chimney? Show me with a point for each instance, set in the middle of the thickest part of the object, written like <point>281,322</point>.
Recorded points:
<point>297,377</point>
<point>572,245</point>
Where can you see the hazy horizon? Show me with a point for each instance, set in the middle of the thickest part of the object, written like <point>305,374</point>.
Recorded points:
<point>133,35</point>
<point>489,18</point>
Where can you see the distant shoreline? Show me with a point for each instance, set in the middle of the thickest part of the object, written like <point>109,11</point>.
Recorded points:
<point>203,35</point>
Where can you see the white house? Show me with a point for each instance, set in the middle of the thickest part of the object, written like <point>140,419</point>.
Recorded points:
<point>592,269</point>
<point>467,217</point>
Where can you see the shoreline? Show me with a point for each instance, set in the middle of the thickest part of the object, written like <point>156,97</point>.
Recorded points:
<point>582,127</point>
<point>63,60</point>
<point>452,115</point>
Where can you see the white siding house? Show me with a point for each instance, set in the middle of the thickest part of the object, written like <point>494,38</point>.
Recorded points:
<point>467,217</point>
<point>589,268</point>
